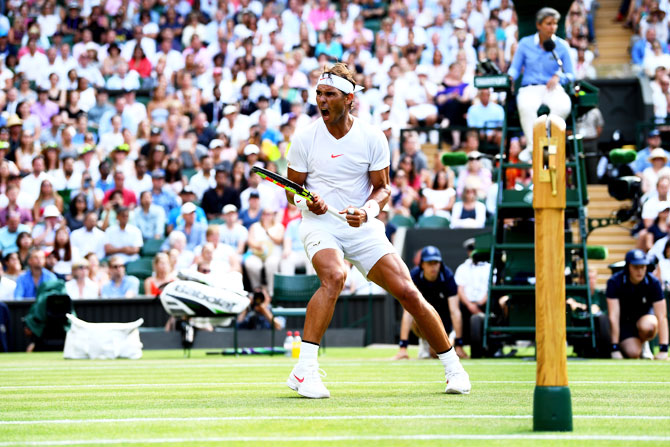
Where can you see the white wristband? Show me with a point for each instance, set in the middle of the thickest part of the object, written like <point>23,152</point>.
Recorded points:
<point>300,202</point>
<point>371,208</point>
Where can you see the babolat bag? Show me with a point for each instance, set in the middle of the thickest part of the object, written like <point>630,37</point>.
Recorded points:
<point>189,298</point>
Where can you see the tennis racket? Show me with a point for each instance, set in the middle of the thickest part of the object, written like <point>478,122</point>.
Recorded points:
<point>292,187</point>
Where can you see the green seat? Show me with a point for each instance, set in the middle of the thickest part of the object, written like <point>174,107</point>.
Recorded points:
<point>151,248</point>
<point>433,222</point>
<point>141,268</point>
<point>403,221</point>
<point>292,288</point>
<point>188,172</point>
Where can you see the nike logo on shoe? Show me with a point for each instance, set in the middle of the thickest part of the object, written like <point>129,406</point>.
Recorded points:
<point>299,379</point>
<point>335,156</point>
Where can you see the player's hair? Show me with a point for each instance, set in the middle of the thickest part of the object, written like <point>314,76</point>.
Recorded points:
<point>342,70</point>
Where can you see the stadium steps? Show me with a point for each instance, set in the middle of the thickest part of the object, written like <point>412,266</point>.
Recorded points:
<point>613,41</point>
<point>616,238</point>
<point>432,154</point>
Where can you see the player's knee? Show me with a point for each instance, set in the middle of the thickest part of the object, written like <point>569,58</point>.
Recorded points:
<point>411,300</point>
<point>334,281</point>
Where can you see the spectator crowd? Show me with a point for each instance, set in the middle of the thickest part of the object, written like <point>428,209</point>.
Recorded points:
<point>128,121</point>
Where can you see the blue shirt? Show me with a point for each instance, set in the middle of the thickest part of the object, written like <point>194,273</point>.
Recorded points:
<point>165,199</point>
<point>437,292</point>
<point>635,300</point>
<point>174,218</point>
<point>642,161</point>
<point>194,238</point>
<point>26,288</point>
<point>491,115</point>
<point>8,239</point>
<point>128,283</point>
<point>640,48</point>
<point>539,65</point>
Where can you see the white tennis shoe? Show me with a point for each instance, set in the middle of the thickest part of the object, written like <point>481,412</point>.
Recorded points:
<point>307,382</point>
<point>424,349</point>
<point>646,351</point>
<point>458,381</point>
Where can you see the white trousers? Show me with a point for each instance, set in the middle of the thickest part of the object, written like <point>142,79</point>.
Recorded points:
<point>531,97</point>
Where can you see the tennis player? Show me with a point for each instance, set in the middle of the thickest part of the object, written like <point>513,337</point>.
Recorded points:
<point>345,163</point>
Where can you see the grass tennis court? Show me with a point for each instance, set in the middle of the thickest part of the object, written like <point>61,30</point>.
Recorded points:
<point>215,400</point>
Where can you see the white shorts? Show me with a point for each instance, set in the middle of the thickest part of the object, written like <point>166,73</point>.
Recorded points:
<point>362,246</point>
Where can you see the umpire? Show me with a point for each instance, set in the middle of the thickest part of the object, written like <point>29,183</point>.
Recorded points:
<point>637,309</point>
<point>436,283</point>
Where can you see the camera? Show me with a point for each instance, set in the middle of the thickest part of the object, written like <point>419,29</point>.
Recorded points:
<point>257,298</point>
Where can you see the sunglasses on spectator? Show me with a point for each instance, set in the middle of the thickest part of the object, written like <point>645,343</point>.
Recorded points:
<point>116,266</point>
<point>205,271</point>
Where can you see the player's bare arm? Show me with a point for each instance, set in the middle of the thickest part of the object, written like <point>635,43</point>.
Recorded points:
<point>318,206</point>
<point>381,191</point>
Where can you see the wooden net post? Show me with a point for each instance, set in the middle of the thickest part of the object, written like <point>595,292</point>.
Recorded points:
<point>552,408</point>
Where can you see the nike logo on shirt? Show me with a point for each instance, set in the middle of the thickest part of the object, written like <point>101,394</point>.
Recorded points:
<point>335,156</point>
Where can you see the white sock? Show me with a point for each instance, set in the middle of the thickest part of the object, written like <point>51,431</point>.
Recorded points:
<point>450,360</point>
<point>308,354</point>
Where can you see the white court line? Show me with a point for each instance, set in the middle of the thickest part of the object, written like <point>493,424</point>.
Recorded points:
<point>314,418</point>
<point>73,365</point>
<point>372,382</point>
<point>284,439</point>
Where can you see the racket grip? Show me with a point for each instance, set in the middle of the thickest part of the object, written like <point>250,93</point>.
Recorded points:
<point>336,213</point>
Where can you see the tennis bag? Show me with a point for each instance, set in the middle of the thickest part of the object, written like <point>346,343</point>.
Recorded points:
<point>194,299</point>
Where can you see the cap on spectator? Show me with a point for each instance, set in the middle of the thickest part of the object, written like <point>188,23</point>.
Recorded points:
<point>469,244</point>
<point>122,148</point>
<point>85,149</point>
<point>637,257</point>
<point>663,206</point>
<point>160,147</point>
<point>51,145</point>
<point>459,24</point>
<point>188,208</point>
<point>4,32</point>
<point>156,130</point>
<point>475,155</point>
<point>91,46</point>
<point>384,108</point>
<point>73,5</point>
<point>658,153</point>
<point>215,143</point>
<point>4,145</point>
<point>65,156</point>
<point>51,211</point>
<point>430,253</point>
<point>254,195</point>
<point>157,173</point>
<point>229,109</point>
<point>186,190</point>
<point>14,120</point>
<point>654,133</point>
<point>386,125</point>
<point>230,208</point>
<point>422,70</point>
<point>81,262</point>
<point>251,149</point>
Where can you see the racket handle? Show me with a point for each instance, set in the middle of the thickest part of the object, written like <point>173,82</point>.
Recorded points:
<point>336,213</point>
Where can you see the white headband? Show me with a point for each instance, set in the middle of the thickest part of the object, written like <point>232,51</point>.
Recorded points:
<point>339,83</point>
